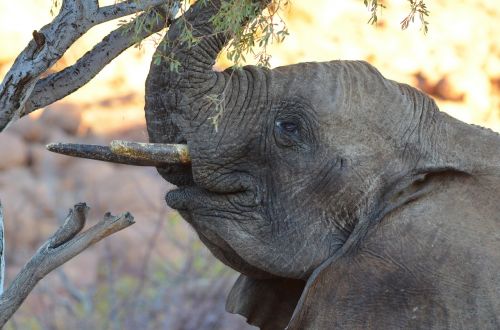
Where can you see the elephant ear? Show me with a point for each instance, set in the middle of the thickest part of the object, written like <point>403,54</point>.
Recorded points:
<point>268,304</point>
<point>370,290</point>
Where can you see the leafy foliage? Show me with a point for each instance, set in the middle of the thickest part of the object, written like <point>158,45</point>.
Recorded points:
<point>374,6</point>
<point>417,7</point>
<point>250,36</point>
<point>252,29</point>
<point>218,102</point>
<point>253,38</point>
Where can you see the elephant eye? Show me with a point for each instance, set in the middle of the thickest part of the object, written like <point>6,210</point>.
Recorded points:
<point>287,126</point>
<point>287,132</point>
<point>294,124</point>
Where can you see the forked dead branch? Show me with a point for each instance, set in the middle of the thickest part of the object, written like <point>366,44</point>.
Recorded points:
<point>27,87</point>
<point>67,242</point>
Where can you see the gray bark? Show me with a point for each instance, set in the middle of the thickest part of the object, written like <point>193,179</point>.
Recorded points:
<point>65,82</point>
<point>22,91</point>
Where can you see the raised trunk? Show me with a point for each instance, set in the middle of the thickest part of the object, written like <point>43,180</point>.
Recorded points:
<point>167,91</point>
<point>164,87</point>
<point>188,90</point>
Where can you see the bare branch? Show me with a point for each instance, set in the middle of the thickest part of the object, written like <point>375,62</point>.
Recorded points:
<point>125,8</point>
<point>89,7</point>
<point>75,18</point>
<point>2,249</point>
<point>66,243</point>
<point>48,45</point>
<point>65,82</point>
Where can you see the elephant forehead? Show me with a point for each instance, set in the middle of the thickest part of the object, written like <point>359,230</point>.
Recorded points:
<point>308,80</point>
<point>323,86</point>
<point>351,89</point>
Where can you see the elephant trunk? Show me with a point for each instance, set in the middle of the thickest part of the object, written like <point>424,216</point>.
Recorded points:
<point>169,91</point>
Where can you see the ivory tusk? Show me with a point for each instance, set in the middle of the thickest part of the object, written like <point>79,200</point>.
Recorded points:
<point>157,152</point>
<point>130,153</point>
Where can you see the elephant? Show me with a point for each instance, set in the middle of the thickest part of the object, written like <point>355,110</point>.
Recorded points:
<point>344,199</point>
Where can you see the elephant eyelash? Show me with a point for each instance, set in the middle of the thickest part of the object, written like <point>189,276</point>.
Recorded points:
<point>287,126</point>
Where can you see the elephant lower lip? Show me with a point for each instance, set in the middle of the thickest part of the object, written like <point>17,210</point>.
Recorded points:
<point>192,197</point>
<point>178,199</point>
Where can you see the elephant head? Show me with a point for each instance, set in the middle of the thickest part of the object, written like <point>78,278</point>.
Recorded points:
<point>308,180</point>
<point>345,200</point>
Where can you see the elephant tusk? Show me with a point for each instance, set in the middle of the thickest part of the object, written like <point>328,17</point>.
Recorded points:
<point>156,152</point>
<point>125,152</point>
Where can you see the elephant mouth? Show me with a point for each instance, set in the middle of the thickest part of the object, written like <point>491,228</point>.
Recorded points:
<point>206,210</point>
<point>193,197</point>
<point>173,162</point>
<point>196,203</point>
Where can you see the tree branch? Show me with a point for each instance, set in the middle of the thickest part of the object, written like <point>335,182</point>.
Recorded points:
<point>75,18</point>
<point>48,45</point>
<point>125,8</point>
<point>2,249</point>
<point>65,82</point>
<point>66,243</point>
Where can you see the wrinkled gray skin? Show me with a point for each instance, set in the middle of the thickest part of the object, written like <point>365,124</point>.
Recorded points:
<point>344,199</point>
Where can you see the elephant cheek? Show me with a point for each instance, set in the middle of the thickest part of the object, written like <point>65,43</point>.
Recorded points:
<point>222,250</point>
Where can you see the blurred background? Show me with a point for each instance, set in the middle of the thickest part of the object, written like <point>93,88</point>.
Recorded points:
<point>156,274</point>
